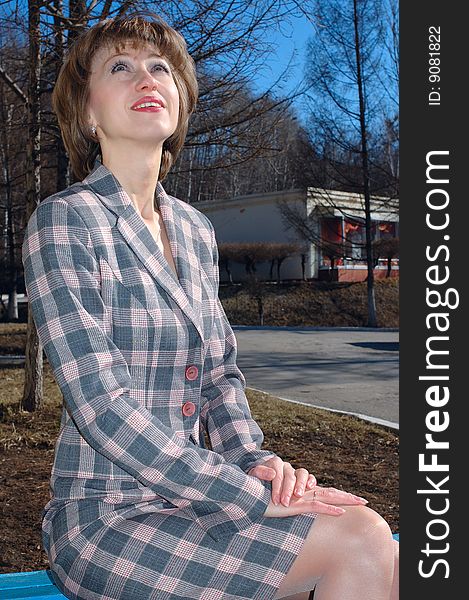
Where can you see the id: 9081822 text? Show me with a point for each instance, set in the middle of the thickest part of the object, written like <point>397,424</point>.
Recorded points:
<point>434,60</point>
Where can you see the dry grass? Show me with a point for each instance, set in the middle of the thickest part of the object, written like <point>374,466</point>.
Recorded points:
<point>314,304</point>
<point>12,338</point>
<point>21,429</point>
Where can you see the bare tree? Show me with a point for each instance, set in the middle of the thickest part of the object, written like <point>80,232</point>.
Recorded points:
<point>234,130</point>
<point>347,103</point>
<point>387,248</point>
<point>8,234</point>
<point>32,391</point>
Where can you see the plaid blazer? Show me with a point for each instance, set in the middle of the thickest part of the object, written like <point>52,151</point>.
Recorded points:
<point>145,360</point>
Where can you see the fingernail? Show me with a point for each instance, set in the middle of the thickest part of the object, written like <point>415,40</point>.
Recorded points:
<point>299,492</point>
<point>338,510</point>
<point>276,500</point>
<point>360,499</point>
<point>286,500</point>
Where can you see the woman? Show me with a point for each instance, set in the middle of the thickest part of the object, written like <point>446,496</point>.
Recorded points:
<point>122,280</point>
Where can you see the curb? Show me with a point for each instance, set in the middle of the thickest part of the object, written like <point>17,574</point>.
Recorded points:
<point>313,328</point>
<point>374,420</point>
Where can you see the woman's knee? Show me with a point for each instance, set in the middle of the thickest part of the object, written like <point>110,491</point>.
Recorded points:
<point>359,532</point>
<point>363,521</point>
<point>368,537</point>
<point>359,540</point>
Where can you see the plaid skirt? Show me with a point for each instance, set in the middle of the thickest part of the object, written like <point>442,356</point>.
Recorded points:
<point>146,552</point>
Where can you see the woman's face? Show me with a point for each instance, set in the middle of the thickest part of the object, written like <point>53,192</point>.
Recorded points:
<point>119,84</point>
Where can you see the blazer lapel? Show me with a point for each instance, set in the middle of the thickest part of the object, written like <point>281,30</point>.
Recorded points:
<point>183,238</point>
<point>185,289</point>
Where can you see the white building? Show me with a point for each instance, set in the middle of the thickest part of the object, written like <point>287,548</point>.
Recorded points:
<point>335,217</point>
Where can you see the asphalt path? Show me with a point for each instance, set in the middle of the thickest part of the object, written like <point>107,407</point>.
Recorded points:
<point>350,370</point>
<point>345,369</point>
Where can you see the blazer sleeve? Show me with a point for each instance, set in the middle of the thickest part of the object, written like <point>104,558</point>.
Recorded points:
<point>225,412</point>
<point>63,288</point>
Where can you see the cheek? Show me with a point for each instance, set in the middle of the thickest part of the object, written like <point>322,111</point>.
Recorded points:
<point>175,102</point>
<point>171,89</point>
<point>104,102</point>
<point>95,102</point>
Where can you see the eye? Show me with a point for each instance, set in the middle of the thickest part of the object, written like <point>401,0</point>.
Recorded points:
<point>117,64</point>
<point>161,66</point>
<point>116,67</point>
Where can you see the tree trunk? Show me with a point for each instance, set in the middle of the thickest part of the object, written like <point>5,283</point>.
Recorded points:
<point>388,272</point>
<point>260,310</point>
<point>63,174</point>
<point>228,270</point>
<point>279,265</point>
<point>366,178</point>
<point>12,314</point>
<point>33,373</point>
<point>12,310</point>
<point>32,392</point>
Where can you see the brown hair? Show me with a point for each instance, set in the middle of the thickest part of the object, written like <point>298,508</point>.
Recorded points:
<point>71,91</point>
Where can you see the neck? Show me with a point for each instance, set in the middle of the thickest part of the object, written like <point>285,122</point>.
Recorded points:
<point>137,172</point>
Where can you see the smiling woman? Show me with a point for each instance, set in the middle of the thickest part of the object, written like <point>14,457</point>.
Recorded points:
<point>149,45</point>
<point>133,104</point>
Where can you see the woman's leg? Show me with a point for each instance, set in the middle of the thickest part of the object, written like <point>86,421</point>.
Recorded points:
<point>350,557</point>
<point>395,581</point>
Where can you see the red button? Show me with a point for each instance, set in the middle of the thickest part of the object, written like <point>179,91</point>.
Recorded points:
<point>192,373</point>
<point>188,409</point>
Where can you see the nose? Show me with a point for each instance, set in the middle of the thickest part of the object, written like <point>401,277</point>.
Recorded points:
<point>145,80</point>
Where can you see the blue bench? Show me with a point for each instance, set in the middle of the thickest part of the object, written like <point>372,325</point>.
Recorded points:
<point>36,584</point>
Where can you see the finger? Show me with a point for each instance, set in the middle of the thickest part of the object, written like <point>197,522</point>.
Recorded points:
<point>326,509</point>
<point>311,481</point>
<point>302,478</point>
<point>345,497</point>
<point>332,495</point>
<point>288,484</point>
<point>302,505</point>
<point>277,465</point>
<point>263,472</point>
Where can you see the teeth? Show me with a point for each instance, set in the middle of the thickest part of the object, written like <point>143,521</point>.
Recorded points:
<point>145,104</point>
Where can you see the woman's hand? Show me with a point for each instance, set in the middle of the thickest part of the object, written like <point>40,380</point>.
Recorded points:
<point>287,482</point>
<point>319,500</point>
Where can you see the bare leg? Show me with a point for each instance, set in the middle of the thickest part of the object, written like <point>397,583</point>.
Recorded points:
<point>395,581</point>
<point>350,557</point>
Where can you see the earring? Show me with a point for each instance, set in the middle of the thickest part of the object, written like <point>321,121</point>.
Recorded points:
<point>93,130</point>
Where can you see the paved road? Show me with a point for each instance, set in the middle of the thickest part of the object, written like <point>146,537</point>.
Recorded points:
<point>351,370</point>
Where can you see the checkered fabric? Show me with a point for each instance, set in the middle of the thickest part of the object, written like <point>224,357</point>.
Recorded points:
<point>139,508</point>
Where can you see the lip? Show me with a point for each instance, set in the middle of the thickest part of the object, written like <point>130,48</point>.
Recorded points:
<point>148,99</point>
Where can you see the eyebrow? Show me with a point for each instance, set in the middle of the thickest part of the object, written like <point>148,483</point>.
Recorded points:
<point>152,55</point>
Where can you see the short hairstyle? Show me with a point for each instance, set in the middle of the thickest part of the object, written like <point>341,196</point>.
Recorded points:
<point>71,92</point>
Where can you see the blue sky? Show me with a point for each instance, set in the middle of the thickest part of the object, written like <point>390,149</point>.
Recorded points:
<point>291,37</point>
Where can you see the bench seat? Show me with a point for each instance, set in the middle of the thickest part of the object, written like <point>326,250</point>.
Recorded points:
<point>33,584</point>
